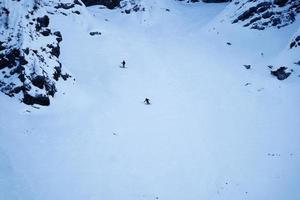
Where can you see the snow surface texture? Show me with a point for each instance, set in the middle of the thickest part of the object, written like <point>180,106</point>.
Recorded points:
<point>215,129</point>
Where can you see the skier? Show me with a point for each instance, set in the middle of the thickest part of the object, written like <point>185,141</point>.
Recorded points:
<point>123,64</point>
<point>147,101</point>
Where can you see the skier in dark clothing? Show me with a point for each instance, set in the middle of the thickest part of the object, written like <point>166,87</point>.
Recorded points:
<point>147,101</point>
<point>123,64</point>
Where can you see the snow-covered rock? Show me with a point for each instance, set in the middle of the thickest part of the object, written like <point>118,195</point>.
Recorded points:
<point>30,49</point>
<point>261,14</point>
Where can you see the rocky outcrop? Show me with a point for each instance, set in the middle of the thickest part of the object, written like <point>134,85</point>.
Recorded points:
<point>111,4</point>
<point>42,22</point>
<point>280,2</point>
<point>37,99</point>
<point>262,14</point>
<point>29,63</point>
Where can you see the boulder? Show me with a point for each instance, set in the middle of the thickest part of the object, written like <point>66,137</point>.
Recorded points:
<point>95,33</point>
<point>39,99</point>
<point>247,66</point>
<point>43,21</point>
<point>281,73</point>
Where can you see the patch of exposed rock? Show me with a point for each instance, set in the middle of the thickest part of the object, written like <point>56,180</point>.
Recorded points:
<point>262,14</point>
<point>281,73</point>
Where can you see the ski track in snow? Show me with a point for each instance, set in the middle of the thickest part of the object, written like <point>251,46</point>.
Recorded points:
<point>205,136</point>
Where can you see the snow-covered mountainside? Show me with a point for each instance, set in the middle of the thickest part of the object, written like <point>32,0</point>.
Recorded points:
<point>30,49</point>
<point>222,80</point>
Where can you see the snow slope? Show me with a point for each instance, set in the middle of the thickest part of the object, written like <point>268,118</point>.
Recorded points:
<point>214,130</point>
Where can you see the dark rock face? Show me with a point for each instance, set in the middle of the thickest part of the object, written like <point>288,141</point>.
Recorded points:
<point>111,4</point>
<point>280,2</point>
<point>42,22</point>
<point>278,13</point>
<point>39,81</point>
<point>281,73</point>
<point>38,99</point>
<point>55,50</point>
<point>247,66</point>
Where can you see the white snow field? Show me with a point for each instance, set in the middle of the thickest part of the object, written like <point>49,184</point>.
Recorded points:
<point>207,135</point>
